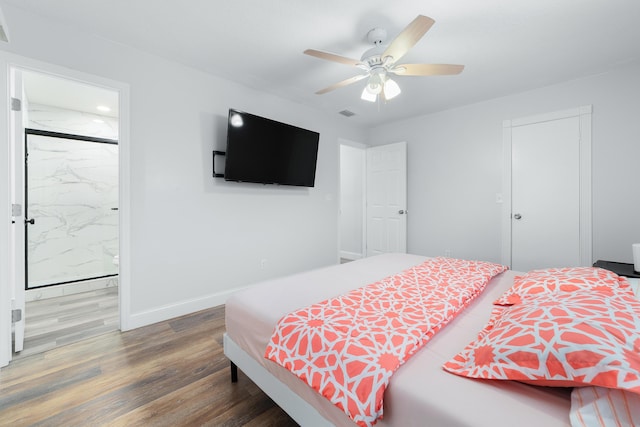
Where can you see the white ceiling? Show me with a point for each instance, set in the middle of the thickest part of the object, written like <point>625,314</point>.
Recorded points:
<point>507,46</point>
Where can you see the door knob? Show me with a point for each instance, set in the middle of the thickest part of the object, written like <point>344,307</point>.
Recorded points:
<point>401,212</point>
<point>30,221</point>
<point>517,216</point>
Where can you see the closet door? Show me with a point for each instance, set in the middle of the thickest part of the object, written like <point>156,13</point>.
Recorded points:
<point>547,212</point>
<point>545,195</point>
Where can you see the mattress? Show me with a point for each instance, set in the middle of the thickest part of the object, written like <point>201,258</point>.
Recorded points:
<point>420,392</point>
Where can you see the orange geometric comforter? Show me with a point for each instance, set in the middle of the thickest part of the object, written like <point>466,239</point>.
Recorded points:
<point>347,347</point>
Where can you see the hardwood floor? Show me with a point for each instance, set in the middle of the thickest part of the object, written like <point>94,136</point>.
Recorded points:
<point>172,373</point>
<point>53,322</point>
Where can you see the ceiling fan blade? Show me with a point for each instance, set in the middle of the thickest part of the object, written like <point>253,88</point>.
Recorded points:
<point>332,57</point>
<point>343,83</point>
<point>427,69</point>
<point>408,37</point>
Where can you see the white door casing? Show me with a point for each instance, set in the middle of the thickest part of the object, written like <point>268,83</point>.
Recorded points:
<point>387,199</point>
<point>547,188</point>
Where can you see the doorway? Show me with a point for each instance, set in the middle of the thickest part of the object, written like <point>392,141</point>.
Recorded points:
<point>373,199</point>
<point>547,188</point>
<point>352,200</point>
<point>66,181</point>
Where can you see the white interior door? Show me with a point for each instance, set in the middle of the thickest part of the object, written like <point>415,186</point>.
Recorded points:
<point>387,199</point>
<point>546,195</point>
<point>17,199</point>
<point>547,213</point>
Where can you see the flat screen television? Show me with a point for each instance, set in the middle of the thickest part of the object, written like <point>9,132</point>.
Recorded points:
<point>266,151</point>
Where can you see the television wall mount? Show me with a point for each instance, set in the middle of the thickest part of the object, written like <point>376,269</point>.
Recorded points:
<point>217,153</point>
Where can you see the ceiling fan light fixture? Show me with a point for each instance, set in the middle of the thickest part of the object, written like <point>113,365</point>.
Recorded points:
<point>367,95</point>
<point>391,89</point>
<point>373,88</point>
<point>375,83</point>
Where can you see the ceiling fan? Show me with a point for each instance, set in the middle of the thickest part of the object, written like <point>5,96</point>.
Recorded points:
<point>381,60</point>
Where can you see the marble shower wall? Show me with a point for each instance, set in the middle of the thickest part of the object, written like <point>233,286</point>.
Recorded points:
<point>53,119</point>
<point>73,197</point>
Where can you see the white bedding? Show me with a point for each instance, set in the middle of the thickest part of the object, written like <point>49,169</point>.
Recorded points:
<point>420,392</point>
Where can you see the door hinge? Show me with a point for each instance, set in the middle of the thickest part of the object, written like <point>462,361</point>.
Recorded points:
<point>16,315</point>
<point>16,104</point>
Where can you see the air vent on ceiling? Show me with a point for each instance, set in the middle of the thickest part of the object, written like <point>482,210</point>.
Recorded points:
<point>347,113</point>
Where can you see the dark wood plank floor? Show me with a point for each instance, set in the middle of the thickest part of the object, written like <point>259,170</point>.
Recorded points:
<point>172,373</point>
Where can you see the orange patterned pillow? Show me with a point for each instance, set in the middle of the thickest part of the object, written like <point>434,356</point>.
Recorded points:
<point>568,279</point>
<point>562,339</point>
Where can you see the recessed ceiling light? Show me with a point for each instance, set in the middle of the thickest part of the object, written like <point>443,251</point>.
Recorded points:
<point>98,121</point>
<point>103,108</point>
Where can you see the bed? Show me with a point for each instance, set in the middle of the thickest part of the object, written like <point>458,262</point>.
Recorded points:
<point>420,390</point>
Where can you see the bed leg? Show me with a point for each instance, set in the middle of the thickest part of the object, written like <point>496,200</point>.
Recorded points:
<point>234,372</point>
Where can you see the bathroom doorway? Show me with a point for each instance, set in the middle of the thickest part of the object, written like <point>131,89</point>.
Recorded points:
<point>68,165</point>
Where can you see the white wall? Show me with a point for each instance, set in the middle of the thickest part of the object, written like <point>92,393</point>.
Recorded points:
<point>352,176</point>
<point>194,238</point>
<point>455,166</point>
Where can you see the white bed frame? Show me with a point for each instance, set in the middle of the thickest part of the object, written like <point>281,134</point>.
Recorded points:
<point>297,408</point>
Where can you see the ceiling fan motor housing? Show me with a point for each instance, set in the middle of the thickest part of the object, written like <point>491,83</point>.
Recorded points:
<point>377,36</point>
<point>373,57</point>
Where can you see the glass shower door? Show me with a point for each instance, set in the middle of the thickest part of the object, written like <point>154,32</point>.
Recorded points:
<point>71,192</point>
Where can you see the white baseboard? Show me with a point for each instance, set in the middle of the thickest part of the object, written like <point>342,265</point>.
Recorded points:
<point>36,294</point>
<point>160,314</point>
<point>350,255</point>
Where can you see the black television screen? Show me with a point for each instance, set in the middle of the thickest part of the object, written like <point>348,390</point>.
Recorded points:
<point>265,151</point>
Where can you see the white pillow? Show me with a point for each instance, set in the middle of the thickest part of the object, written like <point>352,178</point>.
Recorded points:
<point>604,407</point>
